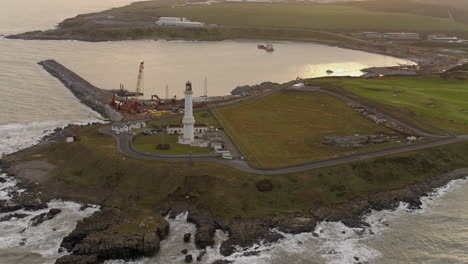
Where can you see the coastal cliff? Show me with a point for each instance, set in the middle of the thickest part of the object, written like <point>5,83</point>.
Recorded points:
<point>87,93</point>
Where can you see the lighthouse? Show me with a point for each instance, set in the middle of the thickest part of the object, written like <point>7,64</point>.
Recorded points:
<point>188,121</point>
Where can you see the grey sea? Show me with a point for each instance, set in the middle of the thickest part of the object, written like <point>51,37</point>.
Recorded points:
<point>33,104</point>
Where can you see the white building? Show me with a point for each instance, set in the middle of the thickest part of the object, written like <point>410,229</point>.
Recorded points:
<point>371,34</point>
<point>122,128</point>
<point>402,36</point>
<point>177,21</point>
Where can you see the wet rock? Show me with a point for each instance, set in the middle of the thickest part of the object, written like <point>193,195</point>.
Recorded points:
<point>184,251</point>
<point>162,229</point>
<point>264,186</point>
<point>2,180</point>
<point>356,258</point>
<point>187,237</point>
<point>34,206</point>
<point>6,207</point>
<point>294,225</point>
<point>251,253</point>
<point>73,259</point>
<point>4,165</point>
<point>222,261</point>
<point>97,222</point>
<point>61,250</point>
<point>246,233</point>
<point>85,206</point>
<point>39,219</point>
<point>315,234</point>
<point>163,210</point>
<point>11,216</point>
<point>188,258</point>
<point>118,245</point>
<point>200,256</point>
<point>390,200</point>
<point>204,237</point>
<point>354,222</point>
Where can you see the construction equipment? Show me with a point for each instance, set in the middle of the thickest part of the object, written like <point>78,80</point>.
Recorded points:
<point>158,100</point>
<point>139,86</point>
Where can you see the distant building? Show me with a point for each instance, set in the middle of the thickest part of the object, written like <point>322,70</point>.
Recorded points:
<point>401,36</point>
<point>444,38</point>
<point>122,128</point>
<point>177,21</point>
<point>371,34</point>
<point>179,129</point>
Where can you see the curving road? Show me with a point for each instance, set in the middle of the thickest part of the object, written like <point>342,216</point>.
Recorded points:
<point>124,143</point>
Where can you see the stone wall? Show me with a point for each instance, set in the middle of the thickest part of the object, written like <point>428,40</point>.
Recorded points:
<point>95,98</point>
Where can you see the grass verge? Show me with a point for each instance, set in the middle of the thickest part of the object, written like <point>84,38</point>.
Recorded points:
<point>290,128</point>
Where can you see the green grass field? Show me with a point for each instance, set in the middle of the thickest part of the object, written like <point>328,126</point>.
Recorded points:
<point>94,170</point>
<point>443,103</point>
<point>201,117</point>
<point>308,16</point>
<point>149,143</point>
<point>289,128</point>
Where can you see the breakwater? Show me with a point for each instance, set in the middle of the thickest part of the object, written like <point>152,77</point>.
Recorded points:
<point>88,94</point>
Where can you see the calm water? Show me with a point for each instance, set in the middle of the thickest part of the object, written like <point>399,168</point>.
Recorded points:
<point>33,103</point>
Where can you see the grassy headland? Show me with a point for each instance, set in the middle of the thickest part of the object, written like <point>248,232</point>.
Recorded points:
<point>308,16</point>
<point>149,144</point>
<point>279,21</point>
<point>94,170</point>
<point>442,101</point>
<point>290,128</point>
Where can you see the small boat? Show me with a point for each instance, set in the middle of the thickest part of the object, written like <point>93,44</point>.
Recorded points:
<point>329,71</point>
<point>267,47</point>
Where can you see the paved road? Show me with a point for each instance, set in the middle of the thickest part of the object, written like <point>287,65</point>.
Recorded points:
<point>124,143</point>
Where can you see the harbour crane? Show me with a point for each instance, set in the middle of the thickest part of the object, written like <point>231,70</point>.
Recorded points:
<point>139,86</point>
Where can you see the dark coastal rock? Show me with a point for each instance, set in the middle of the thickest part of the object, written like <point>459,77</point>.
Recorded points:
<point>7,207</point>
<point>163,210</point>
<point>390,200</point>
<point>354,222</point>
<point>39,219</point>
<point>2,180</point>
<point>162,229</point>
<point>4,165</point>
<point>188,258</point>
<point>332,214</point>
<point>264,186</point>
<point>11,216</point>
<point>105,235</point>
<point>34,206</point>
<point>111,245</point>
<point>187,237</point>
<point>295,225</point>
<point>204,237</point>
<point>73,259</point>
<point>246,233</point>
<point>222,261</point>
<point>200,255</point>
<point>184,251</point>
<point>199,217</point>
<point>97,222</point>
<point>85,206</point>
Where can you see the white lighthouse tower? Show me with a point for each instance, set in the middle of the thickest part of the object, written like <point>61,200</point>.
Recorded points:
<point>188,137</point>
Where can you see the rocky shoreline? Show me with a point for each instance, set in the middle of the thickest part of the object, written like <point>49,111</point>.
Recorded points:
<point>87,93</point>
<point>100,236</point>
